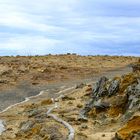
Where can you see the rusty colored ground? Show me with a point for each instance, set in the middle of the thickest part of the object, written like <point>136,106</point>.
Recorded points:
<point>129,130</point>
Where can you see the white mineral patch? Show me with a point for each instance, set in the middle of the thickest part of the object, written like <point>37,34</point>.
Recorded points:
<point>2,128</point>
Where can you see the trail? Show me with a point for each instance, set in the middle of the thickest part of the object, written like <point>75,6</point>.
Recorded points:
<point>59,94</point>
<point>59,120</point>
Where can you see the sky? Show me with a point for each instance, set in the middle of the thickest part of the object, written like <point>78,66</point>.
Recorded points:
<point>86,27</point>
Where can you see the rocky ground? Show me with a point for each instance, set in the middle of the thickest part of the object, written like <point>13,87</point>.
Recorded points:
<point>115,105</point>
<point>106,110</point>
<point>22,76</point>
<point>45,69</point>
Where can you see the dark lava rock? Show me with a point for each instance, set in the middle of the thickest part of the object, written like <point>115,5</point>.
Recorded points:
<point>101,105</point>
<point>33,112</point>
<point>80,85</point>
<point>99,92</point>
<point>26,126</point>
<point>54,133</point>
<point>114,87</point>
<point>129,100</point>
<point>133,93</point>
<point>100,88</point>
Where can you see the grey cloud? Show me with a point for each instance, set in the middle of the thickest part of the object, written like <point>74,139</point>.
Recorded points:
<point>58,26</point>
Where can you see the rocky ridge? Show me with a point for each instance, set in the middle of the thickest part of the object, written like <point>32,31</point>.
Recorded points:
<point>117,100</point>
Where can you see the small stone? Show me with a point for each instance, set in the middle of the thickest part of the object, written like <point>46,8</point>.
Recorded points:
<point>80,85</point>
<point>46,102</point>
<point>10,129</point>
<point>65,98</point>
<point>79,105</point>
<point>103,135</point>
<point>26,126</point>
<point>113,120</point>
<point>33,112</point>
<point>84,126</point>
<point>3,81</point>
<point>70,103</point>
<point>77,123</point>
<point>82,119</point>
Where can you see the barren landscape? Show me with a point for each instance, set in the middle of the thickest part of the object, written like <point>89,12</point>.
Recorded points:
<point>80,97</point>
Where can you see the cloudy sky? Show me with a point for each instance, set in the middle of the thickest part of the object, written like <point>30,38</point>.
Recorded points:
<point>29,27</point>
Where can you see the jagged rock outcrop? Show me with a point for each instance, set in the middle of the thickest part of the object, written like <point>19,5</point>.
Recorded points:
<point>118,97</point>
<point>100,88</point>
<point>114,93</point>
<point>114,87</point>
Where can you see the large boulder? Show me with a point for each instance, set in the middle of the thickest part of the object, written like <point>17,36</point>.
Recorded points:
<point>133,93</point>
<point>114,87</point>
<point>100,89</point>
<point>119,95</point>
